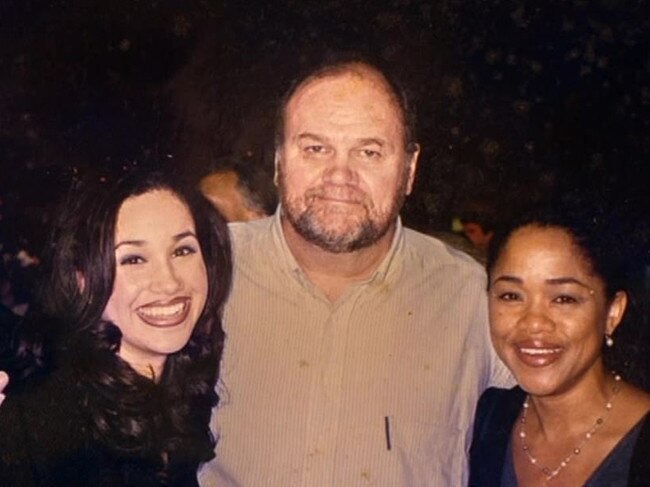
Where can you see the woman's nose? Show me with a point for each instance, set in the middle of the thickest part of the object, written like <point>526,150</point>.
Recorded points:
<point>535,319</point>
<point>165,279</point>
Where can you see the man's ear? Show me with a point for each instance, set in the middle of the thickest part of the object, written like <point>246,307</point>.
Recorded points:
<point>412,166</point>
<point>616,311</point>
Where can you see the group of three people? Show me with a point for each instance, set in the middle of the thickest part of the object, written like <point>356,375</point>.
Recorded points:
<point>355,350</point>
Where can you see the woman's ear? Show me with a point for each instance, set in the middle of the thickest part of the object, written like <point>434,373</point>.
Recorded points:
<point>616,311</point>
<point>276,166</point>
<point>81,281</point>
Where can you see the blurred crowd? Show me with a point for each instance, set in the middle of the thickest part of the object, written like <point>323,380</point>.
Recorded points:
<point>18,267</point>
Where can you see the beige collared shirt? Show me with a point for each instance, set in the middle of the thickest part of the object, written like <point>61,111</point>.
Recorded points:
<point>378,388</point>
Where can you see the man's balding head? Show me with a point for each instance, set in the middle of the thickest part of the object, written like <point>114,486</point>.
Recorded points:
<point>362,69</point>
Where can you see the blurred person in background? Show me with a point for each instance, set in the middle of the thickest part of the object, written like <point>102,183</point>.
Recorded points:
<point>240,191</point>
<point>478,217</point>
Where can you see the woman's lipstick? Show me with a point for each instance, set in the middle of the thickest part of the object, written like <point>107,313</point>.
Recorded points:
<point>165,314</point>
<point>536,353</point>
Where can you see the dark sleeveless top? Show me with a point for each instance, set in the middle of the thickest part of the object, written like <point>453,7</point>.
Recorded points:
<point>491,456</point>
<point>612,472</point>
<point>45,442</point>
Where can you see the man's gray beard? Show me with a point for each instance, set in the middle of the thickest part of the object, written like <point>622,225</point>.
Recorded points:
<point>307,226</point>
<point>367,233</point>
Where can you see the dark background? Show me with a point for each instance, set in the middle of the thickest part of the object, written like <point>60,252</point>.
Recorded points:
<point>517,100</point>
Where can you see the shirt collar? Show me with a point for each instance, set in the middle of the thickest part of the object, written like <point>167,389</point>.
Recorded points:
<point>386,268</point>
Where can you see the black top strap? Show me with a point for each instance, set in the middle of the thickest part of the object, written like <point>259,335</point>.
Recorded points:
<point>496,412</point>
<point>640,464</point>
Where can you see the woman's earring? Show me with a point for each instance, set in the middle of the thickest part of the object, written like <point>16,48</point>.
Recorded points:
<point>609,341</point>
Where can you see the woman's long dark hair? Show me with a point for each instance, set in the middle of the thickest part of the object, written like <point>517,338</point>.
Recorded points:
<point>164,423</point>
<point>601,234</point>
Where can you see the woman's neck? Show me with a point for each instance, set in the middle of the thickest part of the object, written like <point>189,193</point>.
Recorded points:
<point>573,410</point>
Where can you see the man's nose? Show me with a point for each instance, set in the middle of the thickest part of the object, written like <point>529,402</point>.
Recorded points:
<point>341,169</point>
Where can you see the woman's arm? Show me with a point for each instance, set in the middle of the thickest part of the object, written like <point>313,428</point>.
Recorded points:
<point>4,380</point>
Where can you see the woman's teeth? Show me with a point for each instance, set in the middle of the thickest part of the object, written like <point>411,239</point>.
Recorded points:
<point>540,351</point>
<point>163,311</point>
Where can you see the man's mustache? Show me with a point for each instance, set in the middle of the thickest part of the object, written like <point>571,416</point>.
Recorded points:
<point>345,193</point>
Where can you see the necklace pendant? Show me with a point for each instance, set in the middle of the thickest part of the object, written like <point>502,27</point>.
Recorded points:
<point>600,421</point>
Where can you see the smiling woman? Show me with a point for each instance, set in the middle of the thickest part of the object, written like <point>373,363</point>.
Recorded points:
<point>558,294</point>
<point>113,375</point>
<point>161,281</point>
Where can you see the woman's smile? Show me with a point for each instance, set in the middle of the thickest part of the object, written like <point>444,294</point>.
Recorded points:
<point>171,313</point>
<point>535,353</point>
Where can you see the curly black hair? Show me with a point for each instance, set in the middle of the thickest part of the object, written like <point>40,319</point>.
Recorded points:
<point>601,232</point>
<point>165,423</point>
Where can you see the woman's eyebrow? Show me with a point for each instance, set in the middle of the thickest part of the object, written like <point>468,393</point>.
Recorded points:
<point>567,280</point>
<point>506,278</point>
<point>137,243</point>
<point>182,235</point>
<point>140,243</point>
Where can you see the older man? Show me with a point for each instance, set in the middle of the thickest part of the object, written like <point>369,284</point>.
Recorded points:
<point>356,348</point>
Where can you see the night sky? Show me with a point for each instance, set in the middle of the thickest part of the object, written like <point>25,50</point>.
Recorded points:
<point>516,100</point>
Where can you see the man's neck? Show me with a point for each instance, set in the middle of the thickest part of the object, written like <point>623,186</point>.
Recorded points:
<point>333,272</point>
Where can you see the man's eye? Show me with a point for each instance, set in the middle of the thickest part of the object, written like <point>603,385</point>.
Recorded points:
<point>315,149</point>
<point>131,260</point>
<point>184,250</point>
<point>370,154</point>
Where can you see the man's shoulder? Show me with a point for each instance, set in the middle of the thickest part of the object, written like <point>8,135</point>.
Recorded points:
<point>432,253</point>
<point>256,248</point>
<point>251,232</point>
<point>251,227</point>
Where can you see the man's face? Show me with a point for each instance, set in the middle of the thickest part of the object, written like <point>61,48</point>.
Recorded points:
<point>342,169</point>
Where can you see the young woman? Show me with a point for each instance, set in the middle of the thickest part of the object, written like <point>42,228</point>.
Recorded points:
<point>557,297</point>
<point>112,381</point>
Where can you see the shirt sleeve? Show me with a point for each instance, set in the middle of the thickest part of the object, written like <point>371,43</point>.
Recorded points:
<point>499,375</point>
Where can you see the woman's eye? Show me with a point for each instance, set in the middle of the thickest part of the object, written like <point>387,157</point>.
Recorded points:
<point>131,260</point>
<point>508,296</point>
<point>183,251</point>
<point>564,299</point>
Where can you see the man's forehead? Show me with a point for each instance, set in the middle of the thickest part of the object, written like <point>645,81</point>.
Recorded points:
<point>347,97</point>
<point>342,84</point>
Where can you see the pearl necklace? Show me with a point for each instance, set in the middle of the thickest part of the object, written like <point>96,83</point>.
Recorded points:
<point>547,471</point>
